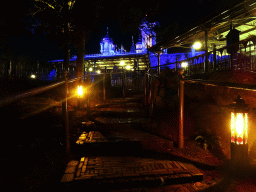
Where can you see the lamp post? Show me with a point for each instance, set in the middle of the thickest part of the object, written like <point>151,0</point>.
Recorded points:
<point>239,132</point>
<point>80,94</point>
<point>184,65</point>
<point>80,91</point>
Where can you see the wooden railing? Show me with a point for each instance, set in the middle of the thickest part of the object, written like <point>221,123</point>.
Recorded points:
<point>128,80</point>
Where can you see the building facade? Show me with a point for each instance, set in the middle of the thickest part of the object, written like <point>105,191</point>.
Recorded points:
<point>138,58</point>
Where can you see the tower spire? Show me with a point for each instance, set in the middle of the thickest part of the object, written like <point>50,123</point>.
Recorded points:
<point>133,50</point>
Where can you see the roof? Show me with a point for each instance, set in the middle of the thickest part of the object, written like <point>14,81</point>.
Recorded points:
<point>242,17</point>
<point>101,56</point>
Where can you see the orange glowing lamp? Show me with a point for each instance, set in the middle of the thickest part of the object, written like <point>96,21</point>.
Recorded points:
<point>239,122</point>
<point>239,132</point>
<point>80,91</point>
<point>239,128</point>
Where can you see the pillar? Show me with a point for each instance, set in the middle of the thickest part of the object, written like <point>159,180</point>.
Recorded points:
<point>206,63</point>
<point>158,63</point>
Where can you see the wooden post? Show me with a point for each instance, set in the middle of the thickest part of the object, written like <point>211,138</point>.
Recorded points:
<point>66,64</point>
<point>66,119</point>
<point>176,65</point>
<point>181,114</point>
<point>214,58</point>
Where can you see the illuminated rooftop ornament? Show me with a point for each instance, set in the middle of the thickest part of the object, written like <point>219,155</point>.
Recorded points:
<point>107,46</point>
<point>148,35</point>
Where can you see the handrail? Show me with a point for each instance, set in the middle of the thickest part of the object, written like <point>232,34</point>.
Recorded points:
<point>65,82</point>
<point>32,92</point>
<point>250,87</point>
<point>42,89</point>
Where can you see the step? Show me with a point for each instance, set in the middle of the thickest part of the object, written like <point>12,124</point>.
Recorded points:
<point>119,105</point>
<point>128,172</point>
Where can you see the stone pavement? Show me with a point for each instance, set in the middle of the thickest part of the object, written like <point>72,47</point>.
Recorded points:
<point>115,152</point>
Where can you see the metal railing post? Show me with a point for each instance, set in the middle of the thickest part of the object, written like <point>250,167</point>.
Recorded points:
<point>181,114</point>
<point>146,87</point>
<point>151,92</point>
<point>123,83</point>
<point>176,65</point>
<point>104,84</point>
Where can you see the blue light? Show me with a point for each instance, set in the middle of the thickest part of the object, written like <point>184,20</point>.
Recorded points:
<point>52,75</point>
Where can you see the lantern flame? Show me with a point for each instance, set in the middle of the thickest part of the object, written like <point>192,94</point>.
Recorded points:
<point>239,124</point>
<point>239,128</point>
<point>80,90</point>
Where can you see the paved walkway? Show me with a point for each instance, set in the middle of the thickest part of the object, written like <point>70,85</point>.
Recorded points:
<point>114,150</point>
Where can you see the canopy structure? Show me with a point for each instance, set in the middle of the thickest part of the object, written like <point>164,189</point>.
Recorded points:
<point>213,31</point>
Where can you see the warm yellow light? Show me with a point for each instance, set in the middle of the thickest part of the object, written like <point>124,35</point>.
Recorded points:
<point>90,69</point>
<point>98,71</point>
<point>80,91</point>
<point>239,128</point>
<point>122,63</point>
<point>233,127</point>
<point>184,64</point>
<point>239,123</point>
<point>197,45</point>
<point>33,76</point>
<point>128,67</point>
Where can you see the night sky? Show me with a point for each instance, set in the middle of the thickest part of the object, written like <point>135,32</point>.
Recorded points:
<point>23,36</point>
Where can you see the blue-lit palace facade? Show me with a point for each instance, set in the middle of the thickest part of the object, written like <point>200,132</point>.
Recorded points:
<point>138,58</point>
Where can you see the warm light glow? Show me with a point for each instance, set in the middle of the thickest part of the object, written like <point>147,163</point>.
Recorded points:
<point>128,67</point>
<point>80,91</point>
<point>122,63</point>
<point>197,45</point>
<point>90,69</point>
<point>33,76</point>
<point>239,123</point>
<point>98,71</point>
<point>184,64</point>
<point>239,128</point>
<point>246,127</point>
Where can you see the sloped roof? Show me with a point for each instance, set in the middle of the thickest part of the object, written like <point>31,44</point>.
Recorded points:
<point>242,17</point>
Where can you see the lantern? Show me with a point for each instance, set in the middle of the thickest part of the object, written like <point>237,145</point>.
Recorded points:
<point>80,91</point>
<point>239,131</point>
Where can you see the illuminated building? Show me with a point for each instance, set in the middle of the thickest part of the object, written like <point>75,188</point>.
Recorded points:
<point>107,46</point>
<point>138,58</point>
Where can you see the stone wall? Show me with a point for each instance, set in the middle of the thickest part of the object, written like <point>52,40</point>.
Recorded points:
<point>224,95</point>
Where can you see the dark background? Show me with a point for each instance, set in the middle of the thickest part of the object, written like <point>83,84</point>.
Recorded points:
<point>39,37</point>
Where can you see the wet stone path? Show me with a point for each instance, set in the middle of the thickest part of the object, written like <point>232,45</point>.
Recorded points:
<point>124,162</point>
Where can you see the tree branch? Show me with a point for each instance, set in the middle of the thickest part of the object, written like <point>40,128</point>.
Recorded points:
<point>48,4</point>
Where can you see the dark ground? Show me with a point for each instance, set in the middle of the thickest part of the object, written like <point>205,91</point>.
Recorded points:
<point>33,148</point>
